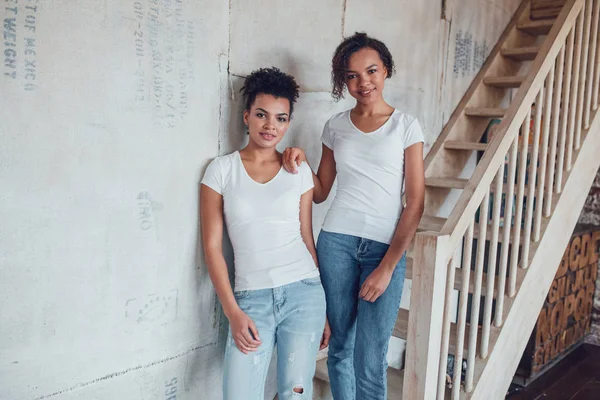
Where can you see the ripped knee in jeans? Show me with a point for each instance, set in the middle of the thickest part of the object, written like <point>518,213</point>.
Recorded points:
<point>298,389</point>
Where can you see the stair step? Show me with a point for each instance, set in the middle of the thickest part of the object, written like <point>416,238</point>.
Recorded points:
<point>395,379</point>
<point>504,81</point>
<point>401,331</point>
<point>457,278</point>
<point>487,112</point>
<point>429,223</point>
<point>548,13</point>
<point>457,145</point>
<point>541,27</point>
<point>450,183</point>
<point>521,53</point>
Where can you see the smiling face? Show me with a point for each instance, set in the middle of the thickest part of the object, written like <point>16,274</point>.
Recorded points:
<point>365,76</point>
<point>267,120</point>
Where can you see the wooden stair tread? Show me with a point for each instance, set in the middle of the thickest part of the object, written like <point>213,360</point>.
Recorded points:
<point>457,278</point>
<point>458,145</point>
<point>512,81</point>
<point>537,27</point>
<point>487,112</point>
<point>401,331</point>
<point>450,183</point>
<point>395,379</point>
<point>521,53</point>
<point>429,223</point>
<point>549,13</point>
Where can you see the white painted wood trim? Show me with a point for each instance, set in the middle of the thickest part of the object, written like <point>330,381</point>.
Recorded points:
<point>514,255</point>
<point>512,169</point>
<point>554,135</point>
<point>562,147</point>
<point>541,178</point>
<point>583,73</point>
<point>431,254</point>
<point>574,92</point>
<point>503,361</point>
<point>448,312</point>
<point>491,270</point>
<point>462,312</point>
<point>591,64</point>
<point>533,180</point>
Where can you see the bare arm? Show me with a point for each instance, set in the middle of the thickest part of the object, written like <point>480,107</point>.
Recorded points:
<point>306,224</point>
<point>415,200</point>
<point>378,281</point>
<point>309,240</point>
<point>243,329</point>
<point>325,176</point>
<point>211,218</point>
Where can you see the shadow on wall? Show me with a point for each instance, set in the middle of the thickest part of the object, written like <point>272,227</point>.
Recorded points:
<point>197,367</point>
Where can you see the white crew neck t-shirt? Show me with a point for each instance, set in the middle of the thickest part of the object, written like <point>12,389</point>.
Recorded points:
<point>370,174</point>
<point>263,222</point>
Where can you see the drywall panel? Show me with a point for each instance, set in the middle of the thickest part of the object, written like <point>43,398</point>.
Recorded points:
<point>108,113</point>
<point>297,36</point>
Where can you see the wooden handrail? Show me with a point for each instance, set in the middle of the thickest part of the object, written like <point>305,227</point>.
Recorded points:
<point>470,200</point>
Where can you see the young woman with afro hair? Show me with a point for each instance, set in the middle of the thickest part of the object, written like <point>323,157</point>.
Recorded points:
<point>277,297</point>
<point>376,153</point>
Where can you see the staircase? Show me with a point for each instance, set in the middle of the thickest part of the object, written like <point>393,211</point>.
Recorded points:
<point>499,248</point>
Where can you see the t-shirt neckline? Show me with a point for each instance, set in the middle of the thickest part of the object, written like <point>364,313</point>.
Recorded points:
<point>372,132</point>
<point>239,158</point>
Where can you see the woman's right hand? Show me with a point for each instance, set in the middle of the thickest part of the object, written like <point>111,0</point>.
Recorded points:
<point>292,158</point>
<point>244,332</point>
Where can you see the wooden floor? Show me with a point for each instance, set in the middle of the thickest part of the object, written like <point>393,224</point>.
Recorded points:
<point>577,377</point>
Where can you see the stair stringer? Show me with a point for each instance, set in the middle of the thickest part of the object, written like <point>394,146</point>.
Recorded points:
<point>498,370</point>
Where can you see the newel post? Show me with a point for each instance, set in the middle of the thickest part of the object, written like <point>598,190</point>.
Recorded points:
<point>427,298</point>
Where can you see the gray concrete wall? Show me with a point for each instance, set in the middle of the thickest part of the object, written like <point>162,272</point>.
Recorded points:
<point>110,111</point>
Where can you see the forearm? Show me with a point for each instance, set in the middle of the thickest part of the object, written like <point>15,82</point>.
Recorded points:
<point>310,245</point>
<point>405,231</point>
<point>217,270</point>
<point>319,195</point>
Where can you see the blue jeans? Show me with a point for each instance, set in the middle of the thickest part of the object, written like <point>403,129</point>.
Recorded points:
<point>360,330</point>
<point>291,316</point>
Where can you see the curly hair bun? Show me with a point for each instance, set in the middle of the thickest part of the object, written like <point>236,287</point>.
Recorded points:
<point>270,81</point>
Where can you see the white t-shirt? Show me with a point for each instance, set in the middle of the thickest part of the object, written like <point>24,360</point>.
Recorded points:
<point>370,174</point>
<point>263,222</point>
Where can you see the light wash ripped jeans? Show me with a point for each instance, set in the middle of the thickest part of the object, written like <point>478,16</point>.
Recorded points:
<point>290,316</point>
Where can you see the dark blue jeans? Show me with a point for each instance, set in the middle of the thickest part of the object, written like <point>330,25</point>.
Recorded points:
<point>360,330</point>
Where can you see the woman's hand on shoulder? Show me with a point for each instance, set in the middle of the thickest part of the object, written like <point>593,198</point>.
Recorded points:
<point>292,158</point>
<point>244,332</point>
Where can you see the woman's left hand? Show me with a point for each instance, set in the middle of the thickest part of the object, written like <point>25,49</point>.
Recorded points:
<point>375,284</point>
<point>326,335</point>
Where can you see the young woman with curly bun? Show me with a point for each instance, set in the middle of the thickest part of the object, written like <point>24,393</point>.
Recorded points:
<point>278,298</point>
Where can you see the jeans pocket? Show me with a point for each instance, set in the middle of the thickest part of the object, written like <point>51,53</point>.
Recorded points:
<point>241,294</point>
<point>316,281</point>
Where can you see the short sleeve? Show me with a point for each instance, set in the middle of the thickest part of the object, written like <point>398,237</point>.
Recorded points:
<point>213,176</point>
<point>307,177</point>
<point>414,134</point>
<point>327,136</point>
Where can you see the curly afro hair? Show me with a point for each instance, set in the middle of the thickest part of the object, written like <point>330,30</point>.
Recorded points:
<point>344,51</point>
<point>269,81</point>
